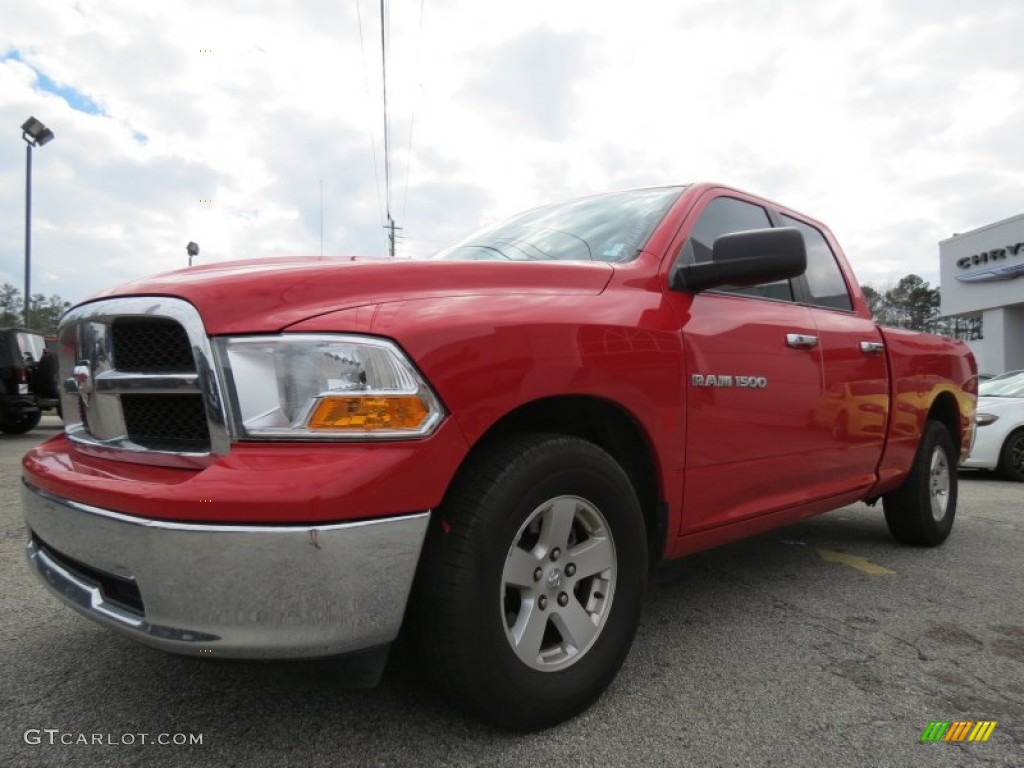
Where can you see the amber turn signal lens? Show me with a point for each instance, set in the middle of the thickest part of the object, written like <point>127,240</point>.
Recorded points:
<point>369,413</point>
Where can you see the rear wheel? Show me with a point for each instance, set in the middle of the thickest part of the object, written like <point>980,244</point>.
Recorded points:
<point>21,424</point>
<point>921,511</point>
<point>531,585</point>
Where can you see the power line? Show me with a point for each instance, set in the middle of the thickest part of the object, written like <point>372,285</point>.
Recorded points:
<point>390,225</point>
<point>366,86</point>
<point>412,116</point>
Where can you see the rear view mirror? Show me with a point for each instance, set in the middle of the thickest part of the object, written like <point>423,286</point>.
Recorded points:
<point>746,258</point>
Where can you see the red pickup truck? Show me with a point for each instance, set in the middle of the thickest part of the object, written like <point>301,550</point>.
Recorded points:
<point>299,457</point>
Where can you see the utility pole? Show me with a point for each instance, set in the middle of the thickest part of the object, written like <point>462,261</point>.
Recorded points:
<point>390,228</point>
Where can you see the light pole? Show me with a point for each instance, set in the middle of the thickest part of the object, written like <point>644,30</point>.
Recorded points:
<point>192,249</point>
<point>35,134</point>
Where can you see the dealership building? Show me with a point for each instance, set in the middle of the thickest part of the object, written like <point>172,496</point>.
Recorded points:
<point>982,281</point>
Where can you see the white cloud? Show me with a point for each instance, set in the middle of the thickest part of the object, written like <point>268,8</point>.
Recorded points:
<point>897,123</point>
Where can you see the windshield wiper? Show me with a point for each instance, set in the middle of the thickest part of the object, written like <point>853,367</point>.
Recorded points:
<point>487,248</point>
<point>590,254</point>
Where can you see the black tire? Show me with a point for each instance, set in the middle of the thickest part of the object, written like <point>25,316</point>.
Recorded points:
<point>1011,457</point>
<point>476,589</point>
<point>922,510</point>
<point>22,424</point>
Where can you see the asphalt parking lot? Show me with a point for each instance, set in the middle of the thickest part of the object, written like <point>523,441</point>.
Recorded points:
<point>825,643</point>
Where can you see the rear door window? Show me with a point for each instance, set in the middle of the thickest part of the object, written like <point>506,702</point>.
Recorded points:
<point>824,278</point>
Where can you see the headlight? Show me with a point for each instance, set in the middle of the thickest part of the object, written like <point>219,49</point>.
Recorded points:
<point>325,387</point>
<point>983,419</point>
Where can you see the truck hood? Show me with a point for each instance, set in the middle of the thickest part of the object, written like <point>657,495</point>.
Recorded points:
<point>267,295</point>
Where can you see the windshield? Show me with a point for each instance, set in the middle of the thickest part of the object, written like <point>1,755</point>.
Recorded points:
<point>613,227</point>
<point>1011,385</point>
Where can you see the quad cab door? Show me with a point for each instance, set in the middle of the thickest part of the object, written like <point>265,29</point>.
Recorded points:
<point>756,380</point>
<point>855,408</point>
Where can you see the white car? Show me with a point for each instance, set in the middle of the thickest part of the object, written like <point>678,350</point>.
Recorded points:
<point>999,437</point>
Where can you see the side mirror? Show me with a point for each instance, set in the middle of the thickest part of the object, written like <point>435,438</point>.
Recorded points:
<point>746,258</point>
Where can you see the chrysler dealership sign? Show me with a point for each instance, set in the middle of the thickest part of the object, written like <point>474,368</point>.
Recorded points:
<point>997,266</point>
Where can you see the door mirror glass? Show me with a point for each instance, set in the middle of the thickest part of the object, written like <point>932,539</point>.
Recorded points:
<point>746,258</point>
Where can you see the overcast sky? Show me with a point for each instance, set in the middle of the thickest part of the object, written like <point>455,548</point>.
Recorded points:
<point>896,122</point>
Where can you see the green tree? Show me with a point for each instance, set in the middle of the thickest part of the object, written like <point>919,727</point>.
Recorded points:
<point>910,303</point>
<point>44,314</point>
<point>917,302</point>
<point>11,306</point>
<point>876,302</point>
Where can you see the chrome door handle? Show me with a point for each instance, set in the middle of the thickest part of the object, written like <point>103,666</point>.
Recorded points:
<point>872,347</point>
<point>801,341</point>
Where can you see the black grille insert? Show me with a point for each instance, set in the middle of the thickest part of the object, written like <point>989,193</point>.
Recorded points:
<point>116,589</point>
<point>167,422</point>
<point>151,345</point>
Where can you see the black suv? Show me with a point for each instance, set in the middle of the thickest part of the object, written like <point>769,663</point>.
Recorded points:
<point>28,379</point>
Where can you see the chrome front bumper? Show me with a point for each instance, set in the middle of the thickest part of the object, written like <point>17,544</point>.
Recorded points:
<point>227,590</point>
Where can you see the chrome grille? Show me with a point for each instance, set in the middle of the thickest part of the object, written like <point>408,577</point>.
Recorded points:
<point>139,373</point>
<point>147,344</point>
<point>166,422</point>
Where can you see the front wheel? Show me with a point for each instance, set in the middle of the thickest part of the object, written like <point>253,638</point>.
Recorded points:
<point>1011,457</point>
<point>921,511</point>
<point>531,585</point>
